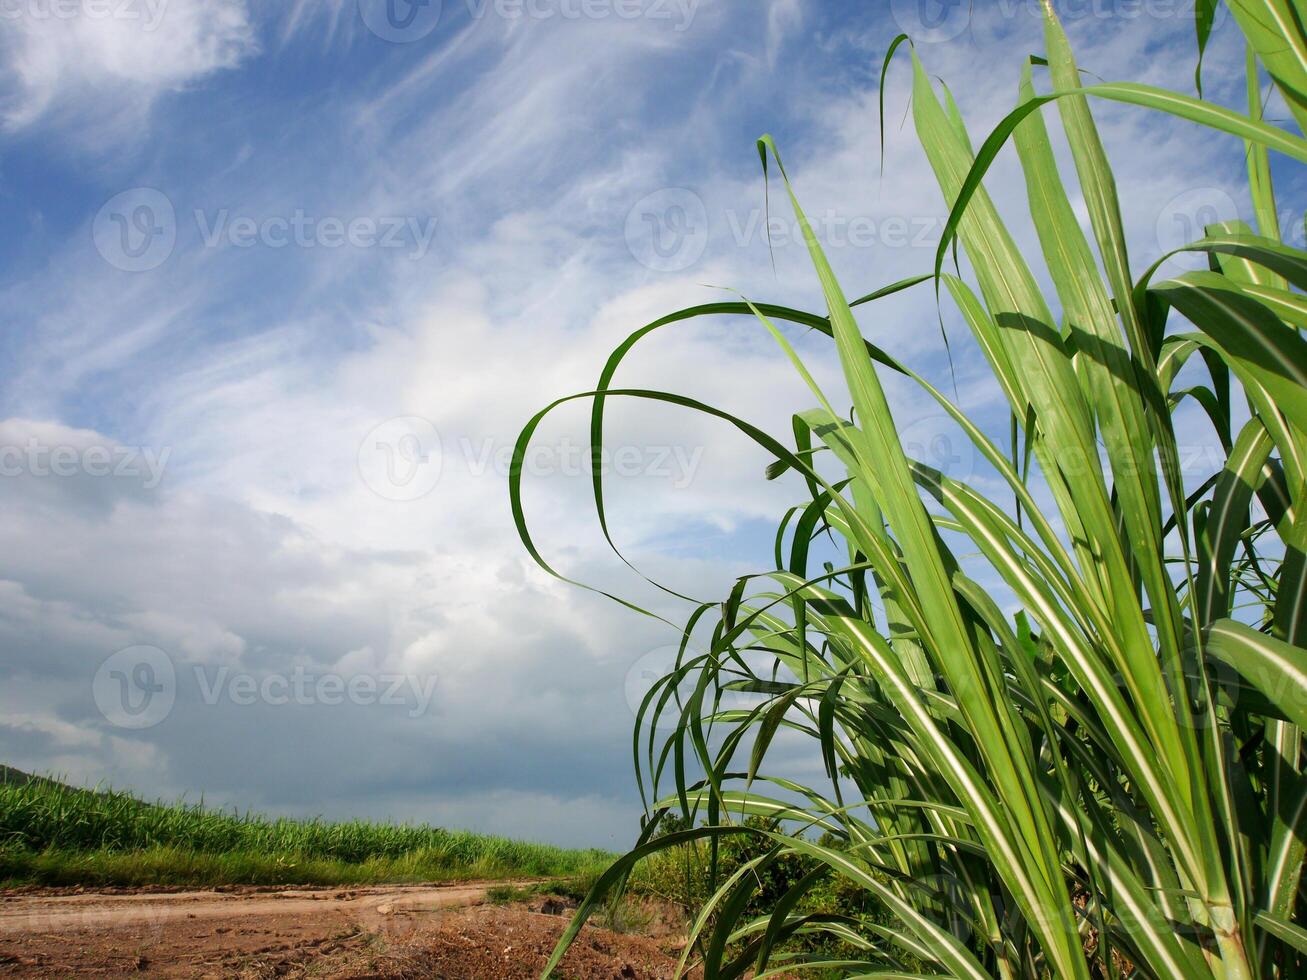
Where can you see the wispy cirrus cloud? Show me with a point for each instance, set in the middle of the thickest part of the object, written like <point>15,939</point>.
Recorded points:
<point>99,65</point>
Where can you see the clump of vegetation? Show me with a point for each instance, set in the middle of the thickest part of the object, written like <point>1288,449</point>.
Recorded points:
<point>565,889</point>
<point>51,833</point>
<point>1111,781</point>
<point>623,912</point>
<point>686,876</point>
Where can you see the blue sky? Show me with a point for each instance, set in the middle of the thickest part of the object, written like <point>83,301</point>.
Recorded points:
<point>279,292</point>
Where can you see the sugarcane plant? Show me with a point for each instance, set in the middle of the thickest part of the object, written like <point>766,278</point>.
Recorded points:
<point>1111,781</point>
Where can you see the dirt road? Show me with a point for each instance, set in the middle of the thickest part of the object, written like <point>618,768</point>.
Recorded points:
<point>383,932</point>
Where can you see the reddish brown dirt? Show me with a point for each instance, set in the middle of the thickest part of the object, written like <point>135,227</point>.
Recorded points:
<point>384,933</point>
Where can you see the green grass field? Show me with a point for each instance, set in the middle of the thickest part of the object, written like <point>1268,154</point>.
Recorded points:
<point>52,834</point>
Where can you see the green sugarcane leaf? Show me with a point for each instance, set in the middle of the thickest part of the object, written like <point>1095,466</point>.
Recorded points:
<point>1276,668</point>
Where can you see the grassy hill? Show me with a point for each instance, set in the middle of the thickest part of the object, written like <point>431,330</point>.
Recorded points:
<point>51,833</point>
<point>8,774</point>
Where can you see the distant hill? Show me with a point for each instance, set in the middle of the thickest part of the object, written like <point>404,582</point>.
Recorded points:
<point>8,774</point>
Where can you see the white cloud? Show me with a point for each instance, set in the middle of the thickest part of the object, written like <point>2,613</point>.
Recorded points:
<point>103,63</point>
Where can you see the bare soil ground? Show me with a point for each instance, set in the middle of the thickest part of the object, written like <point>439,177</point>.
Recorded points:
<point>387,933</point>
